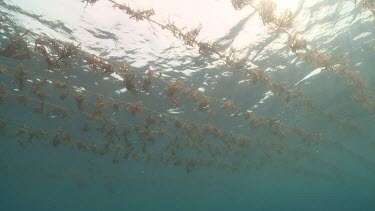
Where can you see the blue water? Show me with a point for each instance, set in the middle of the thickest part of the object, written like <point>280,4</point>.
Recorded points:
<point>38,180</point>
<point>274,173</point>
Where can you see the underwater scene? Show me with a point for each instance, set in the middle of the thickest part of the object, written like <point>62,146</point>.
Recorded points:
<point>187,105</point>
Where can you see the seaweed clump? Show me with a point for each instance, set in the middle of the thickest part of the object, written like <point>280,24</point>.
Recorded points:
<point>134,14</point>
<point>130,82</point>
<point>20,77</point>
<point>240,4</point>
<point>204,106</point>
<point>296,45</point>
<point>172,89</point>
<point>17,48</point>
<point>229,105</point>
<point>285,19</point>
<point>2,69</point>
<point>189,37</point>
<point>266,10</point>
<point>91,2</point>
<point>57,54</point>
<point>81,100</point>
<point>135,108</point>
<point>4,92</point>
<point>98,64</point>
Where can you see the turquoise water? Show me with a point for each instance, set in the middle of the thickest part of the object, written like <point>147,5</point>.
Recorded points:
<point>298,136</point>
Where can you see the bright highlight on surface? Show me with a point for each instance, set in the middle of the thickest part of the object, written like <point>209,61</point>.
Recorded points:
<point>287,4</point>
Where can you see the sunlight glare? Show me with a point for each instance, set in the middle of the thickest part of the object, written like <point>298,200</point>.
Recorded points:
<point>286,4</point>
